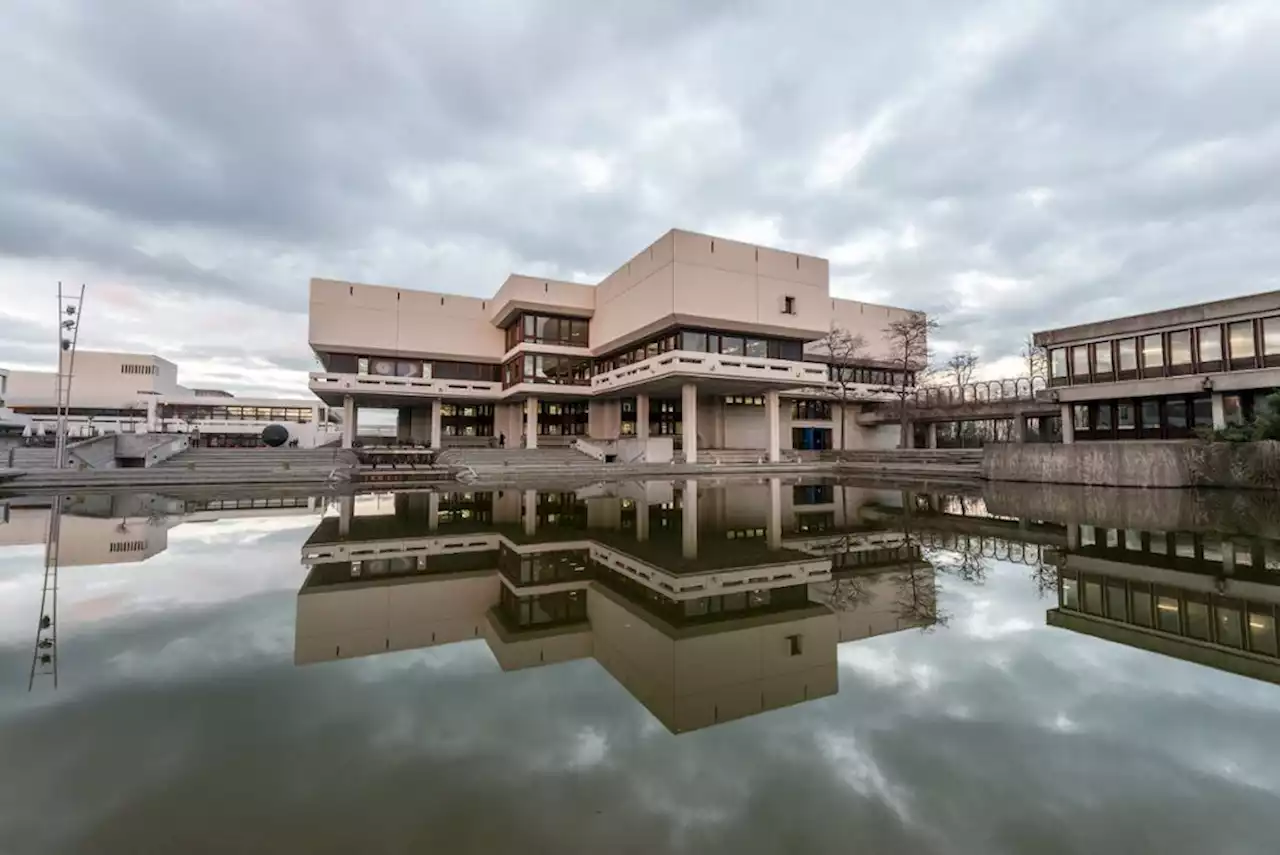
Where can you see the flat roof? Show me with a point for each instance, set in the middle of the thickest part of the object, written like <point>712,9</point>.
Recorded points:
<point>1197,313</point>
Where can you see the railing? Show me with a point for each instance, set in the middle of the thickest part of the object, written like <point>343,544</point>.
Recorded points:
<point>977,394</point>
<point>589,448</point>
<point>713,364</point>
<point>322,382</point>
<point>986,546</point>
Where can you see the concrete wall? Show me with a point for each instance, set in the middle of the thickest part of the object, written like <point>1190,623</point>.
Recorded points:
<point>540,294</point>
<point>99,380</point>
<point>638,294</point>
<point>864,319</point>
<point>1189,463</point>
<point>350,318</point>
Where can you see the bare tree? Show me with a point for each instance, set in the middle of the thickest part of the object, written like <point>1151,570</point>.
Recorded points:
<point>843,351</point>
<point>910,357</point>
<point>961,367</point>
<point>1035,358</point>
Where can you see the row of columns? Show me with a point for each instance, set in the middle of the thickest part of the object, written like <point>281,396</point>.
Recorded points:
<point>409,425</point>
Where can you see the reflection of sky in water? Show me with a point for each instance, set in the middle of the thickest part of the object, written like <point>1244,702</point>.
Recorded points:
<point>182,725</point>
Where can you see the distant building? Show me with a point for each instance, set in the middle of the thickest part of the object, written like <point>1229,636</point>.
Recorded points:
<point>134,392</point>
<point>713,342</point>
<point>1161,375</point>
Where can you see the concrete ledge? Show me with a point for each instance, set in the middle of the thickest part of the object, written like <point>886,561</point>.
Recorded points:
<point>1176,464</point>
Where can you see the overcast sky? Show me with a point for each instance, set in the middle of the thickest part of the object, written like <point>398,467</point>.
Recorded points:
<point>1007,166</point>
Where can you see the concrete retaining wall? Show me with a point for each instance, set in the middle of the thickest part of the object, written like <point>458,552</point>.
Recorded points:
<point>149,448</point>
<point>1188,463</point>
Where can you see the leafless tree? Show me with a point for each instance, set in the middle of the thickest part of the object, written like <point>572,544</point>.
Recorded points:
<point>844,351</point>
<point>910,357</point>
<point>961,367</point>
<point>1035,359</point>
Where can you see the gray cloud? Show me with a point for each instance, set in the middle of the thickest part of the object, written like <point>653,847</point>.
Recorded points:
<point>1005,165</point>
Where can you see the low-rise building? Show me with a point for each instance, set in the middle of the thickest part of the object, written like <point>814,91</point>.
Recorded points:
<point>135,392</point>
<point>715,342</point>
<point>1162,375</point>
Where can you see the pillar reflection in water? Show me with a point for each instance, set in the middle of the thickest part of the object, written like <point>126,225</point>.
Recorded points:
<point>689,520</point>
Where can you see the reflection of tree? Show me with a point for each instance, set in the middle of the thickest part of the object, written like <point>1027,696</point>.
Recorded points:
<point>916,598</point>
<point>1046,578</point>
<point>965,560</point>
<point>843,595</point>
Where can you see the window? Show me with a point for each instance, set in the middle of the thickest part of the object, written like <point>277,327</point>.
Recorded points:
<point>1080,362</point>
<point>1167,613</point>
<point>1262,632</point>
<point>757,348</point>
<point>1058,364</point>
<point>1102,419</point>
<point>1124,415</point>
<point>1180,347</point>
<point>1141,602</point>
<point>1152,353</point>
<point>1080,416</point>
<point>1128,348</point>
<point>692,340</point>
<point>732,345</point>
<point>1151,415</point>
<point>788,305</point>
<point>1102,357</point>
<point>1240,339</point>
<point>1175,414</point>
<point>1271,336</point>
<point>811,410</point>
<point>1228,621</point>
<point>1210,343</point>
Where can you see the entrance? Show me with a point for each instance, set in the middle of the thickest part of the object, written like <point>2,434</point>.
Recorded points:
<point>810,439</point>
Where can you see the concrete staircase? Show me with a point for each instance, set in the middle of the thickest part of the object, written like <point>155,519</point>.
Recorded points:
<point>256,460</point>
<point>31,458</point>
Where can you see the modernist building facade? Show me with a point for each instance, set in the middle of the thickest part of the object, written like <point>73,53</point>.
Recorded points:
<point>715,342</point>
<point>1162,375</point>
<point>136,392</point>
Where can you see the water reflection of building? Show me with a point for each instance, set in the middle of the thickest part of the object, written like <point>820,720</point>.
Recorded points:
<point>707,604</point>
<point>128,528</point>
<point>1200,597</point>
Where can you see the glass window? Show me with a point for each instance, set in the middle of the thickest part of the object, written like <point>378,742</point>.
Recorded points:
<point>690,340</point>
<point>1175,413</point>
<point>1117,608</point>
<point>1070,594</point>
<point>1167,613</point>
<point>1210,342</point>
<point>1141,606</point>
<point>1124,415</point>
<point>1240,337</point>
<point>1080,416</point>
<point>1262,632</point>
<point>732,345</point>
<point>1150,415</point>
<point>530,327</point>
<point>1093,597</point>
<point>362,365</point>
<point>1271,336</point>
<point>1058,360</point>
<point>1158,542</point>
<point>1233,409</point>
<point>1198,619</point>
<point>1202,412</point>
<point>1088,535</point>
<point>757,347</point>
<point>1180,347</point>
<point>793,350</point>
<point>1229,628</point>
<point>1080,361</point>
<point>1103,417</point>
<point>1102,357</point>
<point>1128,349</point>
<point>1184,545</point>
<point>1152,351</point>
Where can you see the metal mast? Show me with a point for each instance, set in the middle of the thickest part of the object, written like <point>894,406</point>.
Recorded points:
<point>69,315</point>
<point>44,656</point>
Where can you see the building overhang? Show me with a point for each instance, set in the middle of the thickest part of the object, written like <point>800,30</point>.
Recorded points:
<point>1217,311</point>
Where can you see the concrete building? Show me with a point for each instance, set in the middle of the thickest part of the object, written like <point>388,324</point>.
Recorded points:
<point>705,604</point>
<point>1200,597</point>
<point>1161,375</point>
<point>714,342</point>
<point>134,392</point>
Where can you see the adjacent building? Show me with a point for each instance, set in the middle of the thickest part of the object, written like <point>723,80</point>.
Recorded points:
<point>135,392</point>
<point>1162,375</point>
<point>714,342</point>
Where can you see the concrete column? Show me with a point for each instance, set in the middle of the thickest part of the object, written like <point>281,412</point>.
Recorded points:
<point>346,510</point>
<point>1073,536</point>
<point>689,421</point>
<point>774,529</point>
<point>1019,428</point>
<point>404,424</point>
<point>773,425</point>
<point>349,425</point>
<point>911,435</point>
<point>642,416</point>
<point>436,407</point>
<point>531,422</point>
<point>931,434</point>
<point>642,521</point>
<point>530,512</point>
<point>1219,411</point>
<point>689,519</point>
<point>433,511</point>
<point>153,421</point>
<point>1068,425</point>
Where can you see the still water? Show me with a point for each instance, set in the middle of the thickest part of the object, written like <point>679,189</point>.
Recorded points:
<point>720,666</point>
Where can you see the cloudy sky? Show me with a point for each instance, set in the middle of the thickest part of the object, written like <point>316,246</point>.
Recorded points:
<point>1005,165</point>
